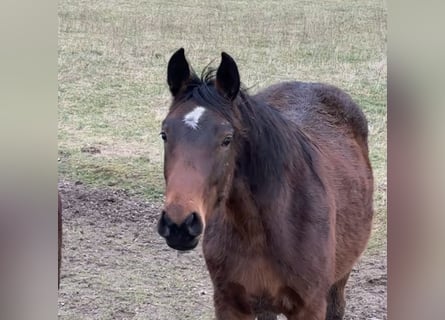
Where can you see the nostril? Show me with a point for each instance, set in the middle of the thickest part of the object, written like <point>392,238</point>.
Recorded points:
<point>194,224</point>
<point>164,225</point>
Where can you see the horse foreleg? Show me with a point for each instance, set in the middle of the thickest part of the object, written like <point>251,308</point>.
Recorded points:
<point>336,300</point>
<point>316,310</point>
<point>267,316</point>
<point>228,312</point>
<point>231,305</point>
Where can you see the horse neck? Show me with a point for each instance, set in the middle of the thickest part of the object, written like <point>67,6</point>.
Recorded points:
<point>273,152</point>
<point>243,214</point>
<point>267,168</point>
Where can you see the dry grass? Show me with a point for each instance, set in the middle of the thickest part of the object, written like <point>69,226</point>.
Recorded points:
<point>112,70</point>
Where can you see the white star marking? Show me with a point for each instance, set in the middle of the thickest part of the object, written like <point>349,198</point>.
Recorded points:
<point>192,118</point>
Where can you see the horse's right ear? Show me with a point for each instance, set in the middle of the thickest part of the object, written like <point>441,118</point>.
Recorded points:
<point>178,72</point>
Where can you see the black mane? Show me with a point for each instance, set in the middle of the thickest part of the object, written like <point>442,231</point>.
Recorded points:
<point>268,144</point>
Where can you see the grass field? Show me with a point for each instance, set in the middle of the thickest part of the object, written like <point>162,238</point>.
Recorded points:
<point>112,70</point>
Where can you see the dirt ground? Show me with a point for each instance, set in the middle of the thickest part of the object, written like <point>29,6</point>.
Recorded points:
<point>115,266</point>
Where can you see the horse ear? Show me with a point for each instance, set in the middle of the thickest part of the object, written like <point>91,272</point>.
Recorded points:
<point>178,72</point>
<point>227,77</point>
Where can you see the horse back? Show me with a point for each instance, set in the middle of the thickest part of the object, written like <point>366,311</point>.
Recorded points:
<point>322,109</point>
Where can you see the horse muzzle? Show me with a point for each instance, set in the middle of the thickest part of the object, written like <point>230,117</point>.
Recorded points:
<point>184,236</point>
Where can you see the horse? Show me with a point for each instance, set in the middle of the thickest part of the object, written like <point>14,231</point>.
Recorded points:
<point>278,185</point>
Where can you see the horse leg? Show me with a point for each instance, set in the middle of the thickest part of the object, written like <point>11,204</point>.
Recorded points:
<point>229,313</point>
<point>232,305</point>
<point>267,316</point>
<point>336,300</point>
<point>316,310</point>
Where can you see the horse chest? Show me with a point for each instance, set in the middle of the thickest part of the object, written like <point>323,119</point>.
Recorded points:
<point>254,281</point>
<point>256,275</point>
<point>247,278</point>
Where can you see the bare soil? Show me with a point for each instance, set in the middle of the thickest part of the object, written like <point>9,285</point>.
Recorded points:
<point>115,266</point>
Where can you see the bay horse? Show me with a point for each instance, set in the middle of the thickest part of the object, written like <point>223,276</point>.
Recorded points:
<point>278,185</point>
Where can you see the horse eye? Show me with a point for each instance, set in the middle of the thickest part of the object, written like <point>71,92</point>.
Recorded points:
<point>163,136</point>
<point>226,141</point>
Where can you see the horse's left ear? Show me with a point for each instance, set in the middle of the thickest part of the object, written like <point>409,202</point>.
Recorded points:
<point>227,77</point>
